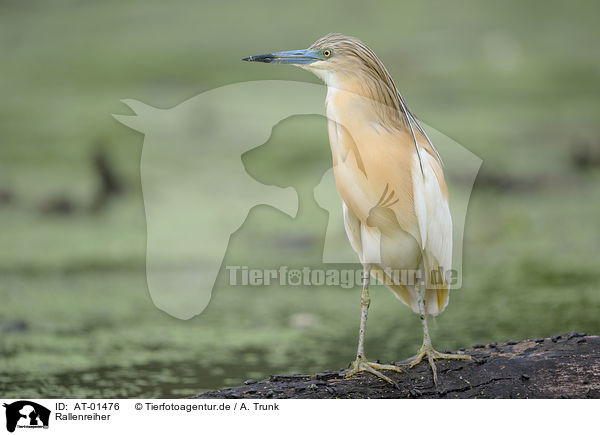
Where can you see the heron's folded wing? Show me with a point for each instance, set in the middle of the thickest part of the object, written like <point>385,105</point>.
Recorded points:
<point>435,228</point>
<point>352,226</point>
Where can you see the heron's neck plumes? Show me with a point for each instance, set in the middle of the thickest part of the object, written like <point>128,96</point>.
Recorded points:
<point>374,88</point>
<point>358,70</point>
<point>378,87</point>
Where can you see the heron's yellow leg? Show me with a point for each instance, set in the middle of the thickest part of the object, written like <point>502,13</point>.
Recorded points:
<point>361,364</point>
<point>427,349</point>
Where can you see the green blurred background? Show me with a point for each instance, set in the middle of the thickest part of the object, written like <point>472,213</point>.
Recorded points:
<point>515,82</point>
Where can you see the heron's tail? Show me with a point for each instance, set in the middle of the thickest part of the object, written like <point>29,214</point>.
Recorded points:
<point>436,299</point>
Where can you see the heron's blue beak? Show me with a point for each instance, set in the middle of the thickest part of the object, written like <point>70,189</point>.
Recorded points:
<point>297,57</point>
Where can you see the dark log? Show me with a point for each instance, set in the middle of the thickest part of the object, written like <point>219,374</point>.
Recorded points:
<point>562,366</point>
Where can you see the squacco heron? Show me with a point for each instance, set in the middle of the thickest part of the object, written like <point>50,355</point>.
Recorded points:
<point>390,179</point>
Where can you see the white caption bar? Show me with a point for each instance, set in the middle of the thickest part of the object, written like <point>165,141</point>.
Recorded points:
<point>101,416</point>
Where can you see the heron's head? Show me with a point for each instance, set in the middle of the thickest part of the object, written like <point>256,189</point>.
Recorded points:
<point>330,58</point>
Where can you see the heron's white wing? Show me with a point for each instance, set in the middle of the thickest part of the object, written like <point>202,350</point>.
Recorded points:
<point>435,227</point>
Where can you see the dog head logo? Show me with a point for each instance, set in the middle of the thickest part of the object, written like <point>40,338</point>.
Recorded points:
<point>197,192</point>
<point>26,414</point>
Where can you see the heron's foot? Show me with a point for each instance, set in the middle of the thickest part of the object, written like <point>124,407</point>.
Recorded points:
<point>362,365</point>
<point>432,354</point>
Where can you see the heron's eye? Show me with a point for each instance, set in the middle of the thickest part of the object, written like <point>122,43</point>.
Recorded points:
<point>327,52</point>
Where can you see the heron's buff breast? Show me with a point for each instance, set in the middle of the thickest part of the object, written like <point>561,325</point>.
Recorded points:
<point>367,157</point>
